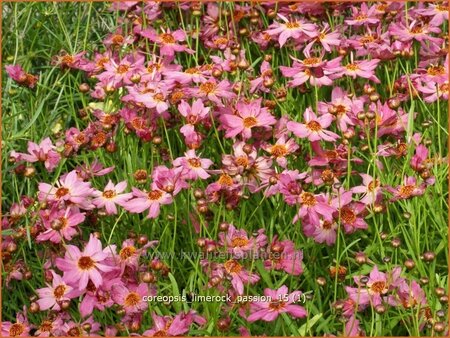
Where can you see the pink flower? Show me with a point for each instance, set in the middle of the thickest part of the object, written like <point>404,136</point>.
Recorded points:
<point>17,73</point>
<point>375,291</point>
<point>280,302</point>
<point>151,200</point>
<point>363,16</point>
<point>323,231</point>
<point>167,326</point>
<point>131,299</point>
<point>110,196</point>
<point>364,69</point>
<point>80,267</point>
<point>295,29</point>
<point>42,152</point>
<point>283,256</point>
<point>281,149</point>
<point>168,41</point>
<point>194,167</point>
<point>313,206</point>
<point>238,275</point>
<point>70,188</point>
<point>60,224</point>
<point>213,91</point>
<point>52,296</point>
<point>314,127</point>
<point>247,116</point>
<point>371,189</point>
<point>409,189</point>
<point>238,243</point>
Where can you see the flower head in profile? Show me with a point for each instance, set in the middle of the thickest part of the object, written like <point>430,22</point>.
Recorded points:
<point>151,201</point>
<point>22,78</point>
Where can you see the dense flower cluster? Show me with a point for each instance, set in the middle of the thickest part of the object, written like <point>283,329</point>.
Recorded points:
<point>322,161</point>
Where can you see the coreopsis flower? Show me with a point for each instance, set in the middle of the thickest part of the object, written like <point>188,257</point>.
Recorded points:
<point>407,190</point>
<point>344,108</point>
<point>130,298</point>
<point>70,189</point>
<point>120,73</point>
<point>248,116</point>
<point>371,189</point>
<point>164,326</point>
<point>434,91</point>
<point>416,30</point>
<point>317,71</point>
<point>326,38</point>
<point>411,295</point>
<point>281,301</point>
<point>313,206</point>
<point>193,167</point>
<point>281,255</point>
<point>363,16</point>
<point>98,298</point>
<point>110,196</point>
<point>359,68</point>
<point>43,152</point>
<point>213,91</point>
<point>260,82</point>
<point>50,327</point>
<point>20,328</point>
<point>81,266</point>
<point>314,128</point>
<point>295,28</point>
<point>239,276</point>
<point>52,296</point>
<point>151,200</point>
<point>437,12</point>
<point>323,231</point>
<point>168,41</point>
<point>60,224</point>
<point>238,243</point>
<point>73,329</point>
<point>349,212</point>
<point>282,148</point>
<point>22,78</point>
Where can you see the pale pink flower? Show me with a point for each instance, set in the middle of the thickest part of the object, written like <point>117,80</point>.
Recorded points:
<point>110,196</point>
<point>52,296</point>
<point>194,166</point>
<point>151,200</point>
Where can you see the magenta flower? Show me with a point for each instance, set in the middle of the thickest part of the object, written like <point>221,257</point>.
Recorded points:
<point>314,127</point>
<point>295,29</point>
<point>110,196</point>
<point>280,302</point>
<point>52,296</point>
<point>80,267</point>
<point>42,152</point>
<point>151,200</point>
<point>131,299</point>
<point>247,116</point>
<point>193,166</point>
<point>70,188</point>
